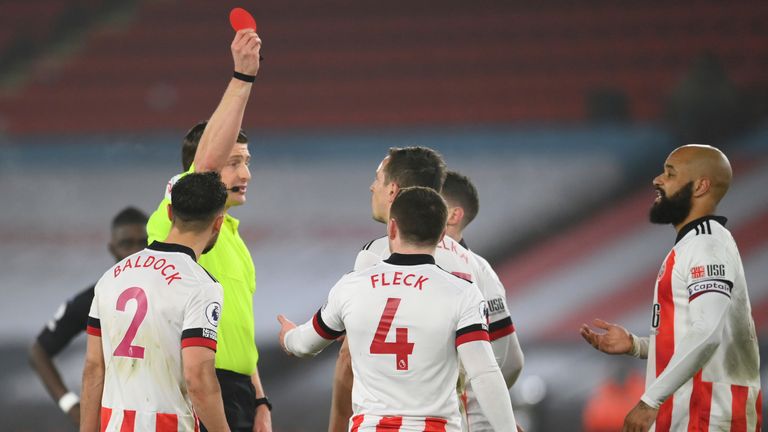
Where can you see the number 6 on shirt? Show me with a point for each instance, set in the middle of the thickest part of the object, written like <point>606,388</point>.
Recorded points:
<point>124,348</point>
<point>401,348</point>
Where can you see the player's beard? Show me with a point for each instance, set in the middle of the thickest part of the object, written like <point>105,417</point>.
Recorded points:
<point>674,209</point>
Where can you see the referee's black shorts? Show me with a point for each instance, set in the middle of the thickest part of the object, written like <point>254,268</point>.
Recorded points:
<point>239,400</point>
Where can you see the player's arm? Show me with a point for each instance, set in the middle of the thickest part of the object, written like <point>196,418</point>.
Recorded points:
<point>203,386</point>
<point>488,384</point>
<point>93,385</point>
<point>263,415</point>
<point>341,399</point>
<point>509,356</point>
<point>308,339</point>
<point>707,315</point>
<point>221,132</point>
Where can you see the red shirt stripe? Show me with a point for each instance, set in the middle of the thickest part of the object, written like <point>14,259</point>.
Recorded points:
<point>700,405</point>
<point>93,331</point>
<point>479,335</point>
<point>129,421</point>
<point>198,341</point>
<point>500,333</point>
<point>319,329</point>
<point>389,424</point>
<point>106,414</point>
<point>433,424</point>
<point>665,338</point>
<point>166,423</point>
<point>739,395</point>
<point>356,422</point>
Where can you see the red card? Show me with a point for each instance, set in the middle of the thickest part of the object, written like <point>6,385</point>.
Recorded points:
<point>240,19</point>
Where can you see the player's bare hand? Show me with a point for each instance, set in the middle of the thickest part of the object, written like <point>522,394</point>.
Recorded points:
<point>74,414</point>
<point>520,428</point>
<point>286,325</point>
<point>245,51</point>
<point>615,340</point>
<point>640,418</point>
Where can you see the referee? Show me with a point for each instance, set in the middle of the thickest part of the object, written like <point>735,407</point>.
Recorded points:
<point>127,237</point>
<point>220,146</point>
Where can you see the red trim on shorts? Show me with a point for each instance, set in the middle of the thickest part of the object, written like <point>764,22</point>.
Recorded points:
<point>389,424</point>
<point>759,411</point>
<point>198,341</point>
<point>479,335</point>
<point>129,421</point>
<point>93,331</point>
<point>433,424</point>
<point>356,422</point>
<point>665,338</point>
<point>500,333</point>
<point>465,404</point>
<point>104,416</point>
<point>700,405</point>
<point>739,396</point>
<point>166,422</point>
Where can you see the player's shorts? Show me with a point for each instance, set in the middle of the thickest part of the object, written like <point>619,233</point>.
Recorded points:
<point>239,400</point>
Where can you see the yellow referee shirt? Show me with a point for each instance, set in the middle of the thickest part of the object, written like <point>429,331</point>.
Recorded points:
<point>230,263</point>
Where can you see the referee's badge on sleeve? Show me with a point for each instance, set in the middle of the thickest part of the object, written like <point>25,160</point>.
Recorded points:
<point>213,313</point>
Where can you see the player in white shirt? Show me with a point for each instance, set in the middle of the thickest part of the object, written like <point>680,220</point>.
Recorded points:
<point>703,361</point>
<point>152,327</point>
<point>463,206</point>
<point>408,322</point>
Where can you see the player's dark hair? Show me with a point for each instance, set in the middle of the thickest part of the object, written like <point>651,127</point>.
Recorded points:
<point>192,139</point>
<point>459,191</point>
<point>420,214</point>
<point>129,216</point>
<point>196,199</point>
<point>415,166</point>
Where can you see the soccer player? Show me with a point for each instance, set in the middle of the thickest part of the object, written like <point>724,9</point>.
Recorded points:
<point>149,364</point>
<point>401,168</point>
<point>703,361</point>
<point>219,145</point>
<point>408,322</point>
<point>128,236</point>
<point>463,205</point>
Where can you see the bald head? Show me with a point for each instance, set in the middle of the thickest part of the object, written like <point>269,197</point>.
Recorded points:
<point>697,161</point>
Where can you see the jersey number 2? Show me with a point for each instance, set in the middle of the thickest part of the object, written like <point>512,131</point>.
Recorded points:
<point>401,348</point>
<point>125,349</point>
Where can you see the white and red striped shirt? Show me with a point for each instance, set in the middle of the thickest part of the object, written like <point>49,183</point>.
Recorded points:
<point>721,388</point>
<point>404,319</point>
<point>146,309</point>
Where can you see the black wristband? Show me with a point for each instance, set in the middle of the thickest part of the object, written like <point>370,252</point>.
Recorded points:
<point>263,401</point>
<point>244,77</point>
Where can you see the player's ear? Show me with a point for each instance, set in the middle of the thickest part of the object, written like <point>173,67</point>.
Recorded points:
<point>391,229</point>
<point>170,213</point>
<point>701,186</point>
<point>394,189</point>
<point>218,222</point>
<point>455,215</point>
<point>112,250</point>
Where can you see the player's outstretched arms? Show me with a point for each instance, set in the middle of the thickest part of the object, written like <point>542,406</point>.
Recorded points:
<point>221,132</point>
<point>509,355</point>
<point>341,401</point>
<point>615,340</point>
<point>93,385</point>
<point>43,365</point>
<point>302,341</point>
<point>488,383</point>
<point>203,387</point>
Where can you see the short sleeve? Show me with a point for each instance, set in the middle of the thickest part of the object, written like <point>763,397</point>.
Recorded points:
<point>328,321</point>
<point>69,321</point>
<point>201,317</point>
<point>93,327</point>
<point>500,321</point>
<point>710,266</point>
<point>472,323</point>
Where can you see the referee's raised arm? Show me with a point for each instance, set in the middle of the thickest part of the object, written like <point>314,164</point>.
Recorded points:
<point>221,132</point>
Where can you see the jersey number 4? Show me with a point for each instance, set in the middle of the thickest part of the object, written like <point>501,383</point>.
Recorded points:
<point>401,348</point>
<point>124,348</point>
